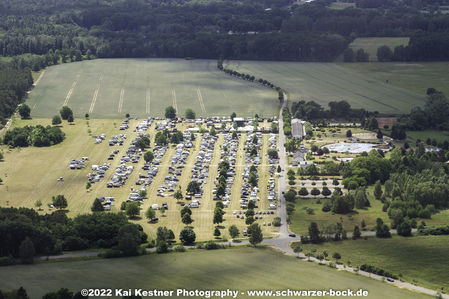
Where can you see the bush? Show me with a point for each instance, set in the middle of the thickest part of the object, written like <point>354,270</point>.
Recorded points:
<point>187,236</point>
<point>327,206</point>
<point>112,253</point>
<point>276,221</point>
<point>212,245</point>
<point>179,248</point>
<point>162,247</point>
<point>315,192</point>
<point>378,271</point>
<point>7,261</point>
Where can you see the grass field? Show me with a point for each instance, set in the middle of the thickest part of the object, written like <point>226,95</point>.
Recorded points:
<point>340,5</point>
<point>415,77</point>
<point>326,82</point>
<point>110,88</point>
<point>439,136</point>
<point>31,174</point>
<point>236,269</point>
<point>371,44</point>
<point>423,260</point>
<point>300,220</point>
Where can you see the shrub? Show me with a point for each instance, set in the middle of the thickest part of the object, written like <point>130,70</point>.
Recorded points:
<point>179,248</point>
<point>276,221</point>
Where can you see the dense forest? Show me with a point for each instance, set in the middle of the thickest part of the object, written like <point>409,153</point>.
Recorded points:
<point>262,29</point>
<point>14,83</point>
<point>39,33</point>
<point>52,233</point>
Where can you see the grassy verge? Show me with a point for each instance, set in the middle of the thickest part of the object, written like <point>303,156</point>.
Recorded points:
<point>241,269</point>
<point>423,260</point>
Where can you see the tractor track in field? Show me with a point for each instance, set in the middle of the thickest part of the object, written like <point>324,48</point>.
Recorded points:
<point>69,94</point>
<point>148,101</point>
<point>175,103</point>
<point>95,96</point>
<point>200,99</point>
<point>122,98</point>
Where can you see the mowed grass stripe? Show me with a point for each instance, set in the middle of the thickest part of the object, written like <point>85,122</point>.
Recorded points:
<point>223,93</point>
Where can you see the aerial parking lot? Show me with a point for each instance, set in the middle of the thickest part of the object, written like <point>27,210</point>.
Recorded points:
<point>103,154</point>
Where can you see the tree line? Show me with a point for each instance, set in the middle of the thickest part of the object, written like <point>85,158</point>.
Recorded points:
<point>52,233</point>
<point>14,84</point>
<point>38,136</point>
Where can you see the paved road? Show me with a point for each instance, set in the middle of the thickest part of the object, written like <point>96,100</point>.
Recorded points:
<point>282,242</point>
<point>282,184</point>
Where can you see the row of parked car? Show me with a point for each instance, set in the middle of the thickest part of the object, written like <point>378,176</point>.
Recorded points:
<point>124,125</point>
<point>117,139</point>
<point>151,168</point>
<point>272,140</point>
<point>78,164</point>
<point>253,140</point>
<point>178,162</point>
<point>228,154</point>
<point>143,125</point>
<point>107,201</point>
<point>200,171</point>
<point>99,139</point>
<point>98,172</point>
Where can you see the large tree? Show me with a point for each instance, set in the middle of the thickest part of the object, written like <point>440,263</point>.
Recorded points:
<point>59,201</point>
<point>190,114</point>
<point>132,209</point>
<point>66,112</point>
<point>27,251</point>
<point>255,234</point>
<point>170,112</point>
<point>187,236</point>
<point>24,111</point>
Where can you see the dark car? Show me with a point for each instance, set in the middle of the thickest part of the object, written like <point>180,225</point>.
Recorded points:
<point>292,235</point>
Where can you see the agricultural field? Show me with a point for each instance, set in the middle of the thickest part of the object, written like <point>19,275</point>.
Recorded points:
<point>31,174</point>
<point>110,88</point>
<point>414,77</point>
<point>371,44</point>
<point>423,260</point>
<point>240,269</point>
<point>326,82</point>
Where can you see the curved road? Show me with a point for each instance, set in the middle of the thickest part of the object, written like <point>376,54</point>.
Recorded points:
<point>282,242</point>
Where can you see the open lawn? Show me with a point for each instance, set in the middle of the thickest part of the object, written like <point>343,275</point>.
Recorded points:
<point>415,77</point>
<point>326,82</point>
<point>371,44</point>
<point>110,88</point>
<point>300,219</point>
<point>236,269</point>
<point>423,260</point>
<point>30,174</point>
